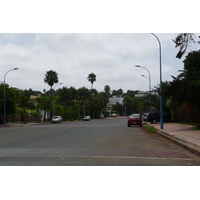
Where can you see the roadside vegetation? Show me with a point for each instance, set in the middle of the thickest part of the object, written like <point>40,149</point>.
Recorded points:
<point>149,129</point>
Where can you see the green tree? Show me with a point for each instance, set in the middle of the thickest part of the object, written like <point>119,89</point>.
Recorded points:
<point>186,86</point>
<point>12,100</point>
<point>68,97</point>
<point>182,41</point>
<point>45,103</point>
<point>119,109</point>
<point>120,92</point>
<point>131,93</point>
<point>82,97</point>
<point>51,77</point>
<point>91,78</point>
<point>25,103</point>
<point>117,93</point>
<point>165,96</point>
<point>184,90</point>
<point>72,97</point>
<point>107,89</point>
<point>132,105</point>
<point>103,100</point>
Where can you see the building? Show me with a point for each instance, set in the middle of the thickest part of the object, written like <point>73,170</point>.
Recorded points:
<point>113,101</point>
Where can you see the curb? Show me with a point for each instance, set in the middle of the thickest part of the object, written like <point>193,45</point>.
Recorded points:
<point>192,148</point>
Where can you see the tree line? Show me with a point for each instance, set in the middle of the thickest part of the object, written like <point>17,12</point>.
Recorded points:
<point>183,92</point>
<point>68,102</point>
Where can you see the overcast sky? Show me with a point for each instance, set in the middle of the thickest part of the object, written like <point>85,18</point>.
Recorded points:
<point>76,38</point>
<point>111,56</point>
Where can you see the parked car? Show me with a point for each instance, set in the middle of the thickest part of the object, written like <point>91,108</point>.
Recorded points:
<point>144,116</point>
<point>155,117</point>
<point>87,118</point>
<point>134,119</point>
<point>56,119</point>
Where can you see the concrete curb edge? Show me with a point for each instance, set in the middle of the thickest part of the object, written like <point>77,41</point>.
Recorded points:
<point>192,148</point>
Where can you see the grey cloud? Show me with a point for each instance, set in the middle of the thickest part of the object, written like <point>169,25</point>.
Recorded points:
<point>111,57</point>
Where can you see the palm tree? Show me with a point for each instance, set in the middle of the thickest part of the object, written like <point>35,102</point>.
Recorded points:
<point>51,77</point>
<point>107,89</point>
<point>120,92</point>
<point>91,78</point>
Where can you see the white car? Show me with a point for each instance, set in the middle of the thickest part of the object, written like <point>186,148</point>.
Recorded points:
<point>56,119</point>
<point>144,116</point>
<point>87,118</point>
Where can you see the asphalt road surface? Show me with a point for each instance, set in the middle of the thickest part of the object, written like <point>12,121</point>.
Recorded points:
<point>107,142</point>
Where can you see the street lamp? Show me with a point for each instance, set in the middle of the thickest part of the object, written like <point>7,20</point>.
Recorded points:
<point>149,83</point>
<point>4,122</point>
<point>161,111</point>
<point>144,76</point>
<point>53,96</point>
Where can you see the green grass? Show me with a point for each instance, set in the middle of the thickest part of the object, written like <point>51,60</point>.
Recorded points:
<point>150,129</point>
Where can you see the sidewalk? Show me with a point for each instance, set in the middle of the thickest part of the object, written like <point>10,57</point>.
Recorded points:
<point>186,136</point>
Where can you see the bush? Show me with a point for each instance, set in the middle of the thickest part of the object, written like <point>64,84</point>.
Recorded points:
<point>188,113</point>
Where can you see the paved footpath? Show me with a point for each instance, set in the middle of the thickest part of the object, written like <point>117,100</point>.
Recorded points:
<point>186,136</point>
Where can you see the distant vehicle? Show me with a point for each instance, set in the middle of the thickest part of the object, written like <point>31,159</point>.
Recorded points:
<point>56,119</point>
<point>113,115</point>
<point>144,116</point>
<point>155,117</point>
<point>134,119</point>
<point>87,118</point>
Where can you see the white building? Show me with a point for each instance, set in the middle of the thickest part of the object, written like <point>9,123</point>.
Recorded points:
<point>141,94</point>
<point>113,101</point>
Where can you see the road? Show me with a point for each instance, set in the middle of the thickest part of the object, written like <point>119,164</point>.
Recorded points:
<point>107,142</point>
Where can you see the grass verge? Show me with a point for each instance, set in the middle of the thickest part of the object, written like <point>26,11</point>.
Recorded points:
<point>149,129</point>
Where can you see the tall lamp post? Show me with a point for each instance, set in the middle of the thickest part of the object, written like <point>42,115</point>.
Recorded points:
<point>53,96</point>
<point>161,110</point>
<point>149,83</point>
<point>4,121</point>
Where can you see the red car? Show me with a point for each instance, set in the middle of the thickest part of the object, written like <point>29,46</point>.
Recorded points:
<point>135,119</point>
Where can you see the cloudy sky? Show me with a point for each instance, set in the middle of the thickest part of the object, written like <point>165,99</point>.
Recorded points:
<point>76,38</point>
<point>111,56</point>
